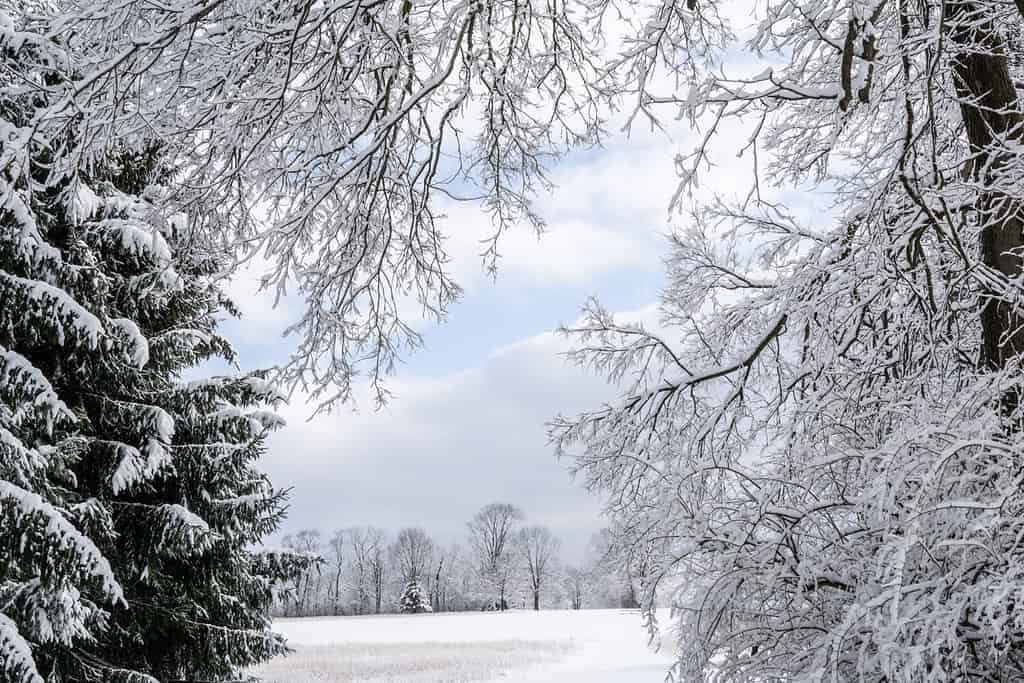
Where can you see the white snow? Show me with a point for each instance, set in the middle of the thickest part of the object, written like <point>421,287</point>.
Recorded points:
<point>258,419</point>
<point>16,369</point>
<point>68,544</point>
<point>58,304</point>
<point>85,204</point>
<point>140,464</point>
<point>55,615</point>
<point>15,652</point>
<point>140,346</point>
<point>139,239</point>
<point>185,517</point>
<point>20,459</point>
<point>184,532</point>
<point>137,466</point>
<point>591,646</point>
<point>269,390</point>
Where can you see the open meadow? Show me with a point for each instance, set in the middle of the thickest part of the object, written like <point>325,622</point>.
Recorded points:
<point>596,646</point>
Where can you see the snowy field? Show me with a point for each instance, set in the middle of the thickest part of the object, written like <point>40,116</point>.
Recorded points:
<point>592,646</point>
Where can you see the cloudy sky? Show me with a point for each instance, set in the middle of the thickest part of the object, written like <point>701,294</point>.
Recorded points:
<point>466,425</point>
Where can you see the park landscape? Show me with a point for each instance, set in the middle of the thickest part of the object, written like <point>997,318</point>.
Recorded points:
<point>473,339</point>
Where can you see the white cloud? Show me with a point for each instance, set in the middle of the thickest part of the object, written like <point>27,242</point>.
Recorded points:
<point>445,446</point>
<point>263,322</point>
<point>607,212</point>
<point>571,251</point>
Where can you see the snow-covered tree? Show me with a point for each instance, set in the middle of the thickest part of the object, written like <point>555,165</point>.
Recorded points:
<point>55,584</point>
<point>492,541</point>
<point>412,601</point>
<point>449,566</point>
<point>338,122</point>
<point>339,545</point>
<point>577,584</point>
<point>303,593</point>
<point>128,497</point>
<point>538,547</point>
<point>379,568</point>
<point>412,555</point>
<point>366,551</point>
<point>825,437</point>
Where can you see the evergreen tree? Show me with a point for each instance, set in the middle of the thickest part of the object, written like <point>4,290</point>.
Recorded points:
<point>412,601</point>
<point>128,497</point>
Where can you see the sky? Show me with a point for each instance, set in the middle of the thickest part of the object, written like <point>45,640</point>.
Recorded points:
<point>466,425</point>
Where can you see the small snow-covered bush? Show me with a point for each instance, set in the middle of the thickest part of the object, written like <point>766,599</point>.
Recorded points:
<point>412,601</point>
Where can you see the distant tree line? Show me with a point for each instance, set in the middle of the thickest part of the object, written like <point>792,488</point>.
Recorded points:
<point>503,562</point>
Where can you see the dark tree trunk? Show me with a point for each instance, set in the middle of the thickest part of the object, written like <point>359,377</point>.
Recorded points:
<point>989,109</point>
<point>437,587</point>
<point>536,599</point>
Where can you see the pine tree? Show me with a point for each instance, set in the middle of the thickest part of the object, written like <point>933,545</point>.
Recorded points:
<point>129,500</point>
<point>412,601</point>
<point>54,582</point>
<point>197,597</point>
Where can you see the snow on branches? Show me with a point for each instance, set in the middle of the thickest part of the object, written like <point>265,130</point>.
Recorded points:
<point>823,446</point>
<point>321,135</point>
<point>826,439</point>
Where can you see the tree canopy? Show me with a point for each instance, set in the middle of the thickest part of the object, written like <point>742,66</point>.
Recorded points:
<point>825,438</point>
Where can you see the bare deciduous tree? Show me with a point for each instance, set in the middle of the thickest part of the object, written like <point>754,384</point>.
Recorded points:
<point>538,547</point>
<point>305,542</point>
<point>337,546</point>
<point>491,534</point>
<point>576,580</point>
<point>365,543</point>
<point>378,574</point>
<point>452,566</point>
<point>413,553</point>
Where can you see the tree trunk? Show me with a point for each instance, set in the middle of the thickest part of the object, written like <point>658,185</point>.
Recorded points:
<point>337,591</point>
<point>989,109</point>
<point>437,587</point>
<point>536,599</point>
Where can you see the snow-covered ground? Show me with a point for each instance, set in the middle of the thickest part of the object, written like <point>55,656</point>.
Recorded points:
<point>592,646</point>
